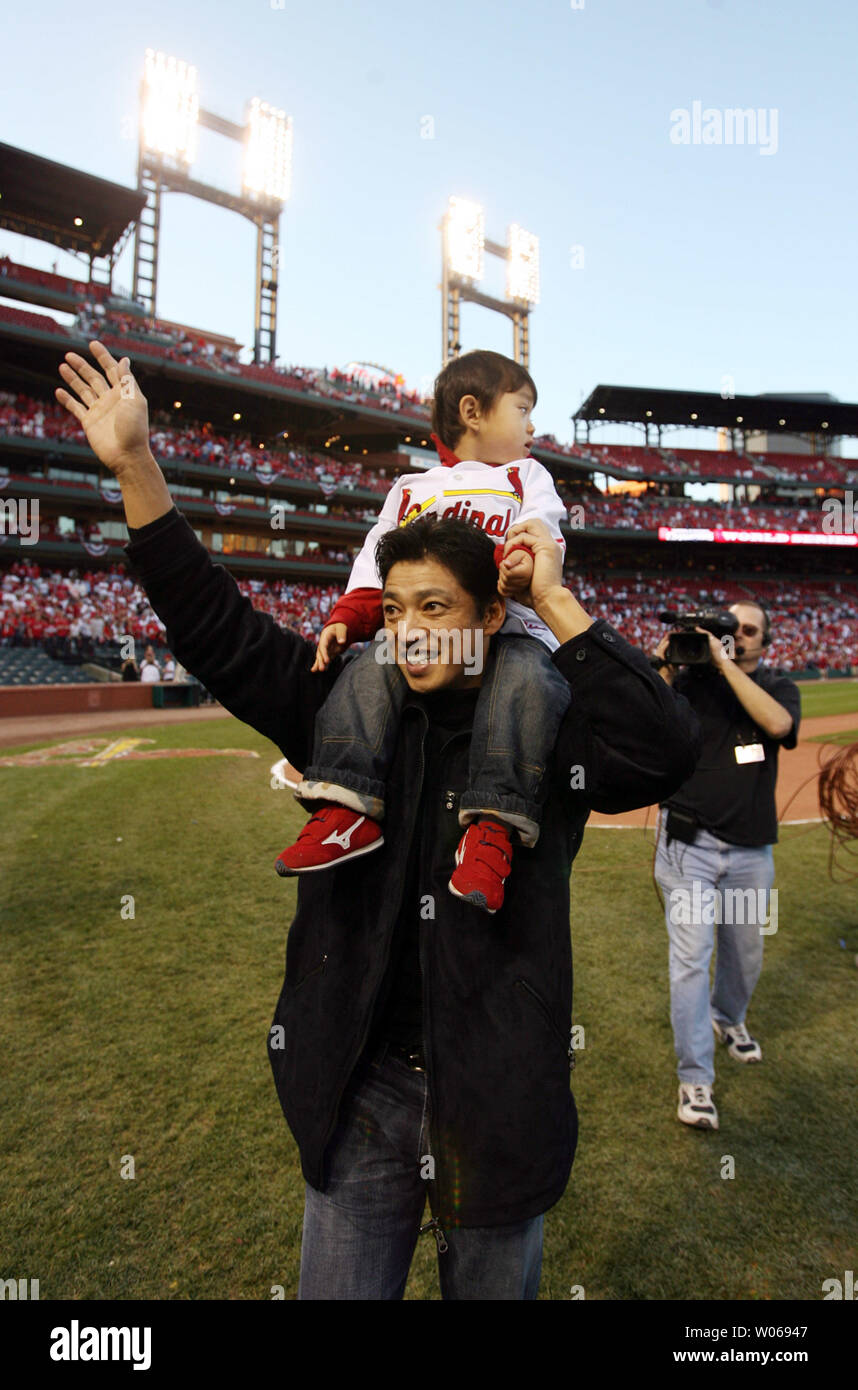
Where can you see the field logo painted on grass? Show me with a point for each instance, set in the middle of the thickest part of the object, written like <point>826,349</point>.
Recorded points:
<point>98,752</point>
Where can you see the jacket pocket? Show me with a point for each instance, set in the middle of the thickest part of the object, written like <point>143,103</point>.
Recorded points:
<point>318,969</point>
<point>539,1003</point>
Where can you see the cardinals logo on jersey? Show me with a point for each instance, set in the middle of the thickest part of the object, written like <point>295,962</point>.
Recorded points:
<point>405,506</point>
<point>514,480</point>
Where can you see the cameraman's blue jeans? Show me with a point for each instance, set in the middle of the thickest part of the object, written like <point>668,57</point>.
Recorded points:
<point>522,701</point>
<point>712,864</point>
<point>360,1233</point>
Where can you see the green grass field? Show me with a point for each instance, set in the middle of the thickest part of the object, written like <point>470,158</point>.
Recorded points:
<point>828,697</point>
<point>146,1037</point>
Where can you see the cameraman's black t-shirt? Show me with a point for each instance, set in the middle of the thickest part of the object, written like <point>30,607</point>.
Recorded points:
<point>736,801</point>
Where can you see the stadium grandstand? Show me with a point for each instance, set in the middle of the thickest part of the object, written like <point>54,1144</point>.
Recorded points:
<point>281,469</point>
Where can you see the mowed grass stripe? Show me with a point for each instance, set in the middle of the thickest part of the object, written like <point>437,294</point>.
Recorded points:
<point>828,697</point>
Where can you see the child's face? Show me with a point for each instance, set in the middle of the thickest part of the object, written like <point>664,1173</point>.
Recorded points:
<point>442,640</point>
<point>503,434</point>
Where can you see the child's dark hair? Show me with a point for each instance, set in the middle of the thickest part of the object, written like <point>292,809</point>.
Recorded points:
<point>485,375</point>
<point>465,550</point>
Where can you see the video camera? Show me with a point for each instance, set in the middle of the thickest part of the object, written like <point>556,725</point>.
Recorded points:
<point>689,648</point>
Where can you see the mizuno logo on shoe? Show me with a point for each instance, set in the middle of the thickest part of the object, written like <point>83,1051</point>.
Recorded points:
<point>344,839</point>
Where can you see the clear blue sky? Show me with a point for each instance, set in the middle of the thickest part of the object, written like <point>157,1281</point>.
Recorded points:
<point>700,260</point>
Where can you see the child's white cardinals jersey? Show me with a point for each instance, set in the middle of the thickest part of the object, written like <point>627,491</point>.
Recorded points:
<point>489,496</point>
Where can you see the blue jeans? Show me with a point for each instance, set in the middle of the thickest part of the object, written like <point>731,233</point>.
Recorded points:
<point>522,701</point>
<point>360,1233</point>
<point>716,867</point>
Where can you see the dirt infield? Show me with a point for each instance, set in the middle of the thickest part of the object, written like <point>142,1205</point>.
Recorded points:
<point>797,777</point>
<point>43,726</point>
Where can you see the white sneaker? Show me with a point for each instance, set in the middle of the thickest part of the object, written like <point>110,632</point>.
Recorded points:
<point>696,1106</point>
<point>739,1042</point>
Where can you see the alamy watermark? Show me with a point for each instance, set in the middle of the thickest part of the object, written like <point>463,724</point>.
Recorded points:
<point>734,125</point>
<point>19,516</point>
<point>76,1343</point>
<point>837,1289</point>
<point>839,516</point>
<point>437,646</point>
<point>18,1289</point>
<point>705,906</point>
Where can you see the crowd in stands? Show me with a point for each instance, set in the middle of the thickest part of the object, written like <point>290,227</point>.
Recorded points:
<point>624,512</point>
<point>35,420</point>
<point>318,555</point>
<point>712,463</point>
<point>97,316</point>
<point>22,415</point>
<point>237,452</point>
<point>812,626</point>
<point>177,344</point>
<point>74,609</point>
<point>22,318</point>
<point>48,280</point>
<point>387,394</point>
<point>122,331</point>
<point>70,612</point>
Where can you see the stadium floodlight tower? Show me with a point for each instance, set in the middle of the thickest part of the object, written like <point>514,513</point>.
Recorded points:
<point>170,116</point>
<point>464,244</point>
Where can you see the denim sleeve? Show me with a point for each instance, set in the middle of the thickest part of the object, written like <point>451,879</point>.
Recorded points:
<point>357,726</point>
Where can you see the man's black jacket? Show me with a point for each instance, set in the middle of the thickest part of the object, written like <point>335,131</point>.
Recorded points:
<point>497,990</point>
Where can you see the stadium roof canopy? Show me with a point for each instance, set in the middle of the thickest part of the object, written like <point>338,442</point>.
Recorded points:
<point>772,414</point>
<point>41,199</point>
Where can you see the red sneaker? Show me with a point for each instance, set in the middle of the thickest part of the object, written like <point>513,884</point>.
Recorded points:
<point>483,861</point>
<point>333,835</point>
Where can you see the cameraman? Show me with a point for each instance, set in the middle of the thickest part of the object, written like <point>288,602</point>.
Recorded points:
<point>717,832</point>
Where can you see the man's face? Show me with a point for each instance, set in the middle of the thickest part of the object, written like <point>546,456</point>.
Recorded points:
<point>506,431</point>
<point>445,634</point>
<point>749,635</point>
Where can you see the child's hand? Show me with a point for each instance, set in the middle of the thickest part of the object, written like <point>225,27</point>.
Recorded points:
<point>515,573</point>
<point>334,639</point>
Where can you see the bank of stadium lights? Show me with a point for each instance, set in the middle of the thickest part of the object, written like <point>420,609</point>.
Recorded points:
<point>464,247</point>
<point>466,239</point>
<point>170,119</point>
<point>522,267</point>
<point>171,107</point>
<point>268,152</point>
